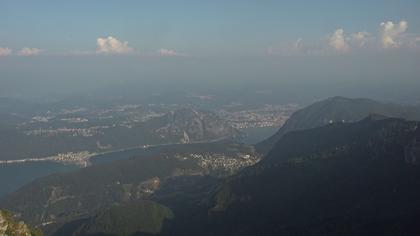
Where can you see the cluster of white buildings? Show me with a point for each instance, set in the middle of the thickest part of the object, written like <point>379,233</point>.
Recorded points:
<point>221,164</point>
<point>75,132</point>
<point>74,120</point>
<point>267,116</point>
<point>75,158</point>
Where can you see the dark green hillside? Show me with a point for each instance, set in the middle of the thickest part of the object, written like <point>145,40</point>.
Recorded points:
<point>187,197</point>
<point>338,109</point>
<point>62,197</point>
<point>356,178</point>
<point>158,174</point>
<point>145,217</point>
<point>344,179</point>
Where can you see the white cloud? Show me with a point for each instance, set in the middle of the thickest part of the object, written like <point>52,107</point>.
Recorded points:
<point>360,38</point>
<point>29,51</point>
<point>5,51</point>
<point>169,53</point>
<point>391,33</point>
<point>111,45</point>
<point>339,42</point>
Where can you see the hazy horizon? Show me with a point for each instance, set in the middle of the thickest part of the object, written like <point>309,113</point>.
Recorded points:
<point>306,50</point>
<point>209,118</point>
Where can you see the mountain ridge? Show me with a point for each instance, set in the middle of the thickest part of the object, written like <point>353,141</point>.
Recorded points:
<point>364,187</point>
<point>338,109</point>
<point>357,180</point>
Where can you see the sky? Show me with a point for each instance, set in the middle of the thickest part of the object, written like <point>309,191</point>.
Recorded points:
<point>68,46</point>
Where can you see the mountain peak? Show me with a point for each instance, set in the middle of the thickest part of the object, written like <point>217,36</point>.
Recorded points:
<point>331,180</point>
<point>339,109</point>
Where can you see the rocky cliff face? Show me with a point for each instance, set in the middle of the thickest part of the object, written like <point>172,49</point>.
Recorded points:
<point>191,125</point>
<point>10,227</point>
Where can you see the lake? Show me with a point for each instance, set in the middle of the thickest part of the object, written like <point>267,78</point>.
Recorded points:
<point>14,176</point>
<point>256,135</point>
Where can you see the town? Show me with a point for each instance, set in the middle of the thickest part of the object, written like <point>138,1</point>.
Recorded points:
<point>220,164</point>
<point>74,158</point>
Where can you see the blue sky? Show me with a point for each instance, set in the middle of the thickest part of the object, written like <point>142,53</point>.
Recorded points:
<point>195,27</point>
<point>67,46</point>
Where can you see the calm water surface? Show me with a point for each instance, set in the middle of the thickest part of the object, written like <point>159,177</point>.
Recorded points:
<point>14,176</point>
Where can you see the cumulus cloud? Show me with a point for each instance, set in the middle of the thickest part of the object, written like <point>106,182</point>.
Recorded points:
<point>339,42</point>
<point>5,51</point>
<point>360,38</point>
<point>391,33</point>
<point>111,45</point>
<point>29,51</point>
<point>169,53</point>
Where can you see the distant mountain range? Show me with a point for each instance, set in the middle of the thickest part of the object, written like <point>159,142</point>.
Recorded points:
<point>338,109</point>
<point>179,126</point>
<point>339,167</point>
